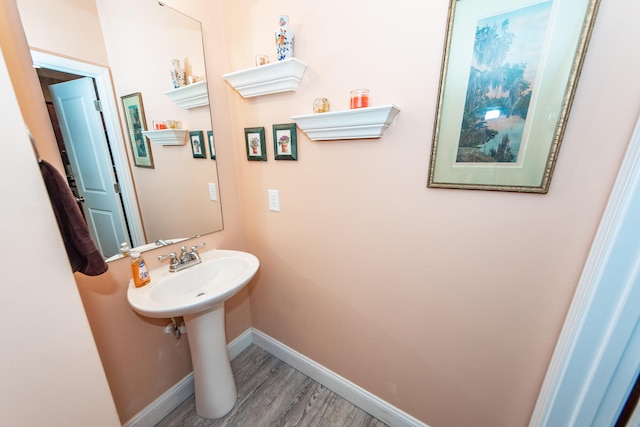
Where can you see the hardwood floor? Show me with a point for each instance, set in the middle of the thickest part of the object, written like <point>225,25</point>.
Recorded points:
<point>272,393</point>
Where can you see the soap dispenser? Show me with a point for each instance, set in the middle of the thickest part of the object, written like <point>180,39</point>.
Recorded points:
<point>139,269</point>
<point>124,249</point>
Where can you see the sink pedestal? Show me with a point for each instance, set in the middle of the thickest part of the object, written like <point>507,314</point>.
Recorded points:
<point>214,383</point>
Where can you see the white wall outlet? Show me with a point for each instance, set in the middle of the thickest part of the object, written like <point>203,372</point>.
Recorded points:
<point>213,193</point>
<point>274,200</point>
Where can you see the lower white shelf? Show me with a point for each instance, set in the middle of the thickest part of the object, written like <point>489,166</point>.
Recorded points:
<point>358,123</point>
<point>167,136</point>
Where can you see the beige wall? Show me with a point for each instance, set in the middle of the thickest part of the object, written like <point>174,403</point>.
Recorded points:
<point>139,360</point>
<point>49,364</point>
<point>446,303</point>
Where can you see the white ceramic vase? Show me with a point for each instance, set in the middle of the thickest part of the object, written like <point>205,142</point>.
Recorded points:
<point>284,39</point>
<point>177,74</point>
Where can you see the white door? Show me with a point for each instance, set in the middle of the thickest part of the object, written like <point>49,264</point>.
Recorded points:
<point>84,137</point>
<point>597,358</point>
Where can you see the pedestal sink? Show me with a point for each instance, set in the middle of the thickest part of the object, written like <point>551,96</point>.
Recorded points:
<point>198,294</point>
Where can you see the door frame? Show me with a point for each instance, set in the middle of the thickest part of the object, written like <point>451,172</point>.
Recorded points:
<point>113,129</point>
<point>595,363</point>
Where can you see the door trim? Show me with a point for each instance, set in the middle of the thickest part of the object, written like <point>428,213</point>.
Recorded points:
<point>590,371</point>
<point>106,94</point>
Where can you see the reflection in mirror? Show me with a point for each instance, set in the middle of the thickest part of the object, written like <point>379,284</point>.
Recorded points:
<point>113,49</point>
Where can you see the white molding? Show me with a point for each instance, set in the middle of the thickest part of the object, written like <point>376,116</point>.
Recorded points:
<point>281,76</point>
<point>355,394</point>
<point>190,96</point>
<point>382,410</point>
<point>163,405</point>
<point>172,398</point>
<point>586,306</point>
<point>240,343</point>
<point>357,123</point>
<point>167,136</point>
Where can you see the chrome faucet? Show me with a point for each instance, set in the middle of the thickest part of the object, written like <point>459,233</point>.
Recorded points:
<point>186,258</point>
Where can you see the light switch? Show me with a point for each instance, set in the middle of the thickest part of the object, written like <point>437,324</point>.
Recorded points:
<point>274,200</point>
<point>213,193</point>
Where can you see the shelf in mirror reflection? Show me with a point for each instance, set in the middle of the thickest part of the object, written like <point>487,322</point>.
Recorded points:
<point>190,96</point>
<point>167,136</point>
<point>147,247</point>
<point>146,194</point>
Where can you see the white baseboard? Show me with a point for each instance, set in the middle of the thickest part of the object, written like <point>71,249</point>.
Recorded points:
<point>355,394</point>
<point>172,398</point>
<point>163,405</point>
<point>382,410</point>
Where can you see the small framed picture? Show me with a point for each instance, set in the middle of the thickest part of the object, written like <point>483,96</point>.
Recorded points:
<point>285,142</point>
<point>197,144</point>
<point>136,124</point>
<point>255,142</point>
<point>212,148</point>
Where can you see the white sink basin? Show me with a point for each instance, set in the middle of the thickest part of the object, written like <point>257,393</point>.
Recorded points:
<point>221,274</point>
<point>198,294</point>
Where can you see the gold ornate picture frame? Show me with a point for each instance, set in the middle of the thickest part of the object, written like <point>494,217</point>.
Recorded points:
<point>509,74</point>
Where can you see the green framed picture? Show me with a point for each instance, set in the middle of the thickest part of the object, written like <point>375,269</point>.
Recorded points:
<point>255,143</point>
<point>136,124</point>
<point>212,147</point>
<point>285,141</point>
<point>197,144</point>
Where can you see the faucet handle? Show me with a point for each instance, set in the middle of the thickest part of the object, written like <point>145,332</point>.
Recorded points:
<point>172,256</point>
<point>194,251</point>
<point>195,248</point>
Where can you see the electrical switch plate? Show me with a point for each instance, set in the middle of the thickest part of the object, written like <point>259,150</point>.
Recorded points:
<point>213,194</point>
<point>274,200</point>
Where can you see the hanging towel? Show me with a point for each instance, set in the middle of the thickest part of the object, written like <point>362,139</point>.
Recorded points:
<point>81,249</point>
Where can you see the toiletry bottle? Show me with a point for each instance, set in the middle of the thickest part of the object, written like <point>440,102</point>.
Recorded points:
<point>139,269</point>
<point>124,249</point>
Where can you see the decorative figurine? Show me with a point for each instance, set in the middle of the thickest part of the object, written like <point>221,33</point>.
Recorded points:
<point>284,39</point>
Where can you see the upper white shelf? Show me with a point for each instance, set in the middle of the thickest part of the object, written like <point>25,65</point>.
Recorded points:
<point>276,77</point>
<point>167,136</point>
<point>190,96</point>
<point>358,123</point>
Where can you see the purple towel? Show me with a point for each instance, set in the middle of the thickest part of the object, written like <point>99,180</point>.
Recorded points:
<point>83,254</point>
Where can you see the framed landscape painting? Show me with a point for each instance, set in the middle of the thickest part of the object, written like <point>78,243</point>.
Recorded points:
<point>136,124</point>
<point>510,71</point>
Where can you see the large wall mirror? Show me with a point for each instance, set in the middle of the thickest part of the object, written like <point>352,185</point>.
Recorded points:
<point>123,51</point>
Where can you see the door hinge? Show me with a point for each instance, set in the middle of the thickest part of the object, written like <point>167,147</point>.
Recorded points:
<point>97,104</point>
<point>116,188</point>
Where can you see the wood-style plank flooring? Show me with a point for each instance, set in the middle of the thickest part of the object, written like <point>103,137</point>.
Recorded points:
<point>273,394</point>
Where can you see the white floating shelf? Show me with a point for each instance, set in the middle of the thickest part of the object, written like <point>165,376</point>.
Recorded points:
<point>167,136</point>
<point>359,123</point>
<point>190,96</point>
<point>281,76</point>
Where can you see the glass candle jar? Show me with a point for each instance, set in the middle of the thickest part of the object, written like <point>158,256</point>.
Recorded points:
<point>261,60</point>
<point>321,105</point>
<point>159,124</point>
<point>359,98</point>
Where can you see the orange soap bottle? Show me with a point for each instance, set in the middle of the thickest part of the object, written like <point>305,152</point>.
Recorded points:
<point>139,269</point>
